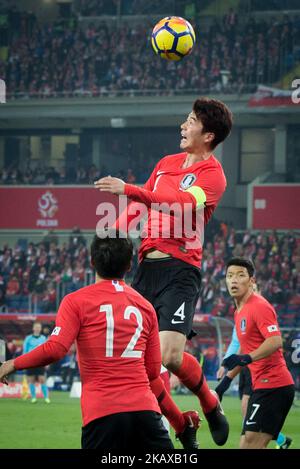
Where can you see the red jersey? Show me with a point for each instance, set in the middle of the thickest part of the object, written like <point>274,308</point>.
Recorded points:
<point>256,322</point>
<point>118,348</point>
<point>199,186</point>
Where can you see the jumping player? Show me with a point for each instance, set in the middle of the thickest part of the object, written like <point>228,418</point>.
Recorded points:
<point>169,272</point>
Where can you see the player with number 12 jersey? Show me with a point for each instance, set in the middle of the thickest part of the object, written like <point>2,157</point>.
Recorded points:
<point>114,328</point>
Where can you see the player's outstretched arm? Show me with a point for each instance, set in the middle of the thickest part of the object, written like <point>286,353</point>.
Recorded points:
<point>145,196</point>
<point>269,346</point>
<point>195,197</point>
<point>66,329</point>
<point>42,355</point>
<point>135,211</point>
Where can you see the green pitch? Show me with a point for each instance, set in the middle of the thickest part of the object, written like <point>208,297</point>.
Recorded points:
<point>58,425</point>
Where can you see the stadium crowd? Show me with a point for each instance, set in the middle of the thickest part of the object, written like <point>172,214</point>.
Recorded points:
<point>38,269</point>
<point>65,59</point>
<point>277,260</point>
<point>14,176</point>
<point>274,5</point>
<point>127,7</point>
<point>177,7</point>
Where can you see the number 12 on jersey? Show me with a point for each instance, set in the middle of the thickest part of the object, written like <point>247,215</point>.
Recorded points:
<point>129,352</point>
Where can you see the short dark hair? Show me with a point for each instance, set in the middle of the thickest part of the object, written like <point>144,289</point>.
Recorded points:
<point>215,117</point>
<point>111,254</point>
<point>242,262</point>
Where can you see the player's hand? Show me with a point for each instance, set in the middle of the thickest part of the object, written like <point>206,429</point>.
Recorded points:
<point>236,360</point>
<point>223,386</point>
<point>110,184</point>
<point>220,372</point>
<point>6,369</point>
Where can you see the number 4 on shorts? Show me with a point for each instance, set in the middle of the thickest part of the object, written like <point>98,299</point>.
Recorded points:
<point>179,313</point>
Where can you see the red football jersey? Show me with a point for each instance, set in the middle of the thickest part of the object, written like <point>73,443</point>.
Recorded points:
<point>178,188</point>
<point>256,322</point>
<point>118,348</point>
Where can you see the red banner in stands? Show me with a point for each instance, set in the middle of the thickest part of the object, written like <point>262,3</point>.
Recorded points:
<point>267,96</point>
<point>276,206</point>
<point>53,207</point>
<point>27,317</point>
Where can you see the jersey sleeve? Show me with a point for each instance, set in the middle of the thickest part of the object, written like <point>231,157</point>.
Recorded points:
<point>234,345</point>
<point>130,217</point>
<point>210,188</point>
<point>152,352</point>
<point>206,191</point>
<point>135,211</point>
<point>67,323</point>
<point>42,355</point>
<point>66,329</point>
<point>169,196</point>
<point>266,321</point>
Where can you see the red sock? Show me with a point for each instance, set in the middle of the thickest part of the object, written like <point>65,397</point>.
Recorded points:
<point>191,375</point>
<point>167,405</point>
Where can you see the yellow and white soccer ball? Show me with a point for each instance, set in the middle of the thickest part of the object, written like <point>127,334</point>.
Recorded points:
<point>173,38</point>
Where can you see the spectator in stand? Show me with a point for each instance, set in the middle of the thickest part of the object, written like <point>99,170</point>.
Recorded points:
<point>2,291</point>
<point>13,287</point>
<point>76,237</point>
<point>130,178</point>
<point>49,299</point>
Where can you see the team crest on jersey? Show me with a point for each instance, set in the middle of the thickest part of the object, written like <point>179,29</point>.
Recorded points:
<point>187,181</point>
<point>243,325</point>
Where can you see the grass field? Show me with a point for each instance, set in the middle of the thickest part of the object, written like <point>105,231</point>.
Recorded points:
<point>58,425</point>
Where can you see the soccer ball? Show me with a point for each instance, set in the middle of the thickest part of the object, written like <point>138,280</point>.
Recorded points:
<point>173,38</point>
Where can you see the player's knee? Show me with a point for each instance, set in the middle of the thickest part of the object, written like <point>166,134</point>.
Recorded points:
<point>172,359</point>
<point>251,440</point>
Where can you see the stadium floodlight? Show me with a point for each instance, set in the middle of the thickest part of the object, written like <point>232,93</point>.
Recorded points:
<point>118,122</point>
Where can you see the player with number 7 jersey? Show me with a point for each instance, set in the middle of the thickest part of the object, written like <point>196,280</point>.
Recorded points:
<point>116,332</point>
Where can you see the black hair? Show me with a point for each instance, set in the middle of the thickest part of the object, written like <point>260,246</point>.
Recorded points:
<point>242,262</point>
<point>111,254</point>
<point>215,117</point>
